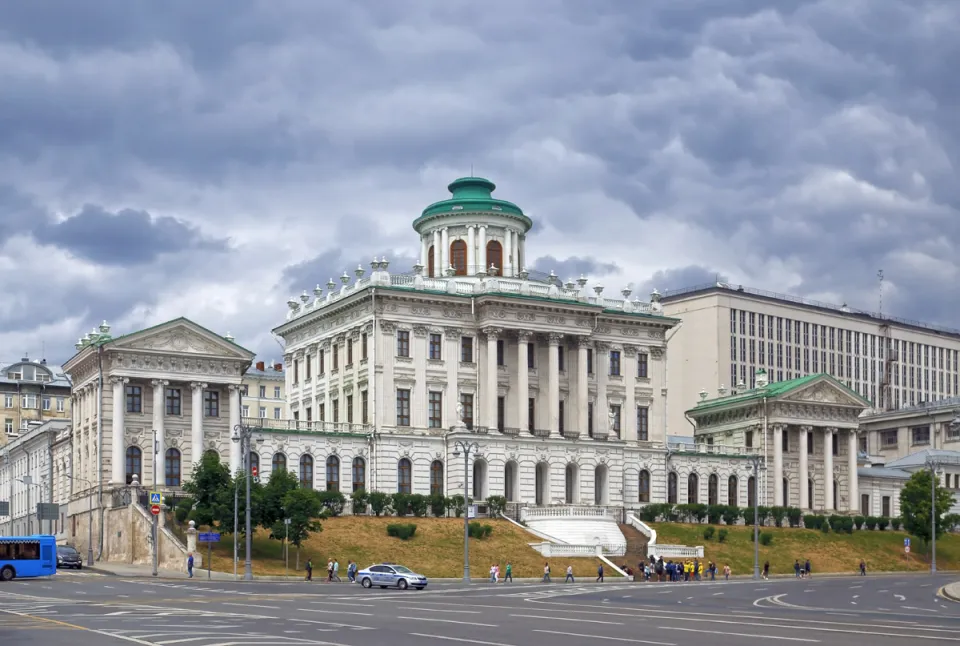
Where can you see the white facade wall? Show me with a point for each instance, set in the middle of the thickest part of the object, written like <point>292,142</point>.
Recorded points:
<point>43,453</point>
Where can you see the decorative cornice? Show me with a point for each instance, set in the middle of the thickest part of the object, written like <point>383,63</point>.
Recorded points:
<point>197,385</point>
<point>655,352</point>
<point>630,351</point>
<point>554,338</point>
<point>493,333</point>
<point>524,336</point>
<point>584,342</point>
<point>420,330</point>
<point>453,331</point>
<point>388,327</point>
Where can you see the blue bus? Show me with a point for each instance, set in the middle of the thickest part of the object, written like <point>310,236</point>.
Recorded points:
<point>27,556</point>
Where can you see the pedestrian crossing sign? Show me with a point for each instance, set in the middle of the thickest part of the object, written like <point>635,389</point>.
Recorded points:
<point>156,498</point>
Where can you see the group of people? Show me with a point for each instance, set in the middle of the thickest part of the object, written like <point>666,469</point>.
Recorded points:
<point>801,571</point>
<point>495,573</point>
<point>333,571</point>
<point>689,570</point>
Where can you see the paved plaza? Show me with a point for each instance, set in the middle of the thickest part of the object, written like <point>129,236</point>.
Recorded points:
<point>86,609</point>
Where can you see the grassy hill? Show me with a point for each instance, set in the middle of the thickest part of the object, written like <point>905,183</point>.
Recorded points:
<point>436,550</point>
<point>882,551</point>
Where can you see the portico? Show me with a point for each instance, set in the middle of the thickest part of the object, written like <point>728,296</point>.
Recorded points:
<point>805,428</point>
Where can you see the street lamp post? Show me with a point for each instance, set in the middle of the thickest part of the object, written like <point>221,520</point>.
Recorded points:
<point>243,433</point>
<point>466,448</point>
<point>28,481</point>
<point>756,516</point>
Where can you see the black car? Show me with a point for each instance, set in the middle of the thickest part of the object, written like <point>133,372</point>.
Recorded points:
<point>69,557</point>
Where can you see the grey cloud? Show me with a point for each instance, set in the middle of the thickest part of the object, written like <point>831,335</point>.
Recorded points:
<point>671,279</point>
<point>574,267</point>
<point>332,264</point>
<point>125,238</point>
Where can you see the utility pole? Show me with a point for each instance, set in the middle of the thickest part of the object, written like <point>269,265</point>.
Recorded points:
<point>466,448</point>
<point>244,435</point>
<point>756,517</point>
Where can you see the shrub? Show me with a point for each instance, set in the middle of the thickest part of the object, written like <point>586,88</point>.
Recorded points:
<point>882,523</point>
<point>648,513</point>
<point>836,522</point>
<point>870,522</point>
<point>332,501</point>
<point>859,521</point>
<point>895,523</point>
<point>457,504</point>
<point>708,532</point>
<point>438,505</point>
<point>812,521</point>
<point>380,503</point>
<point>794,515</point>
<point>766,538</point>
<point>848,525</point>
<point>400,503</point>
<point>496,505</point>
<point>358,501</point>
<point>762,513</point>
<point>778,514</point>
<point>714,513</point>
<point>731,514</point>
<point>183,509</point>
<point>825,526</point>
<point>722,535</point>
<point>417,503</point>
<point>480,530</point>
<point>403,531</point>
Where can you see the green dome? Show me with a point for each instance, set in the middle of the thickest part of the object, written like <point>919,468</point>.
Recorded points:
<point>472,194</point>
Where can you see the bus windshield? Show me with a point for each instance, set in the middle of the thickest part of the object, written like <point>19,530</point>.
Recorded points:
<point>27,556</point>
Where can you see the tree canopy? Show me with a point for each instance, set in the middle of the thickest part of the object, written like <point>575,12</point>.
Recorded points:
<point>916,503</point>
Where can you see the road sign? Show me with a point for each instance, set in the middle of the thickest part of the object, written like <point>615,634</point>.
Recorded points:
<point>208,537</point>
<point>4,508</point>
<point>906,542</point>
<point>48,511</point>
<point>156,498</point>
<point>472,511</point>
<point>155,510</point>
<point>907,549</point>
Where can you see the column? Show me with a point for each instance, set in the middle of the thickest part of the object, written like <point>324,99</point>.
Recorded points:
<point>117,427</point>
<point>828,468</point>
<point>553,382</point>
<point>777,465</point>
<point>424,250</point>
<point>482,250</point>
<point>490,386</point>
<point>583,389</point>
<point>601,360</point>
<point>328,358</point>
<point>196,421</point>
<point>437,265</point>
<point>445,246</point>
<point>507,251</point>
<point>234,422</point>
<point>629,421</point>
<point>853,489</point>
<point>159,408</point>
<point>523,380</point>
<point>805,502</point>
<point>471,250</point>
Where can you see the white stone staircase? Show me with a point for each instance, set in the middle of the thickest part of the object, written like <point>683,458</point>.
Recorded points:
<point>575,530</point>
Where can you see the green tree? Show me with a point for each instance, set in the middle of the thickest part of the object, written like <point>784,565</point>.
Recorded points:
<point>280,484</point>
<point>223,511</point>
<point>210,479</point>
<point>302,506</point>
<point>916,503</point>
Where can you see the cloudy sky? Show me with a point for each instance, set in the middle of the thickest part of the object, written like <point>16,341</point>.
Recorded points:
<point>211,159</point>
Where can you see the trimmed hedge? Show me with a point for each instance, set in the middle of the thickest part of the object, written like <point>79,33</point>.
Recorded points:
<point>403,531</point>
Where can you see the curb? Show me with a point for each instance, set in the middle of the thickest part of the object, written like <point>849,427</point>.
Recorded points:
<point>944,594</point>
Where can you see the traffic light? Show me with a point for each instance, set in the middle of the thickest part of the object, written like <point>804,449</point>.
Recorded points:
<point>255,472</point>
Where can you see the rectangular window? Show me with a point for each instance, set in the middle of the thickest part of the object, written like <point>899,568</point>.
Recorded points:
<point>748,439</point>
<point>323,412</point>
<point>308,364</point>
<point>173,401</point>
<point>920,435</point>
<point>276,392</point>
<point>614,363</point>
<point>8,401</point>
<point>134,399</point>
<point>531,356</point>
<point>60,405</point>
<point>349,409</point>
<point>810,444</point>
<point>885,507</point>
<point>589,361</point>
<point>643,423</point>
<point>8,426</point>
<point>466,350</point>
<point>321,358</point>
<point>590,419</point>
<point>560,417</point>
<point>335,356</point>
<point>296,371</point>
<point>363,347</point>
<point>403,343</point>
<point>560,359</point>
<point>263,412</point>
<point>28,401</point>
<point>335,403</point>
<point>364,407</point>
<point>785,440</point>
<point>276,413</point>
<point>403,404</point>
<point>434,409</point>
<point>45,403</point>
<point>501,361</point>
<point>531,413</point>
<point>263,392</point>
<point>501,413</point>
<point>309,414</point>
<point>436,346</point>
<point>211,403</point>
<point>733,321</point>
<point>466,400</point>
<point>349,352</point>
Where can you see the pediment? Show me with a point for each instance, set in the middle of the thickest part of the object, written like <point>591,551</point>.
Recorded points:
<point>182,337</point>
<point>825,392</point>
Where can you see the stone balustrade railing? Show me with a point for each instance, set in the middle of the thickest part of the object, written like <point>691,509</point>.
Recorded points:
<point>566,511</point>
<point>711,449</point>
<point>676,551</point>
<point>298,426</point>
<point>550,550</point>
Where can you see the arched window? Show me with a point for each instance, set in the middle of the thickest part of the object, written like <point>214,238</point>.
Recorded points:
<point>644,486</point>
<point>479,479</point>
<point>171,468</point>
<point>836,495</point>
<point>134,464</point>
<point>786,492</point>
<point>333,473</point>
<point>751,492</point>
<point>810,493</point>
<point>279,462</point>
<point>306,471</point>
<point>404,476</point>
<point>436,478</point>
<point>693,486</point>
<point>713,485</point>
<point>494,256</point>
<point>458,257</point>
<point>431,263</point>
<point>732,498</point>
<point>255,463</point>
<point>359,474</point>
<point>672,488</point>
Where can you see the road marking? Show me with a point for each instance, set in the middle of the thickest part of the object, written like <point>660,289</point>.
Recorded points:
<point>459,639</point>
<point>183,640</point>
<point>64,624</point>
<point>467,612</point>
<point>922,609</point>
<point>247,605</point>
<point>856,596</point>
<point>451,621</point>
<point>336,612</point>
<point>855,587</point>
<point>585,621</point>
<point>883,591</point>
<point>343,603</point>
<point>900,597</point>
<point>616,639</point>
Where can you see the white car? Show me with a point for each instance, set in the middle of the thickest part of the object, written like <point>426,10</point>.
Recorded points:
<point>390,575</point>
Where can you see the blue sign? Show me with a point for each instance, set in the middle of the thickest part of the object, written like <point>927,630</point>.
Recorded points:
<point>208,537</point>
<point>156,498</point>
<point>906,542</point>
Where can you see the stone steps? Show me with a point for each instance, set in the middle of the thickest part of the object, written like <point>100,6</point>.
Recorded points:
<point>636,546</point>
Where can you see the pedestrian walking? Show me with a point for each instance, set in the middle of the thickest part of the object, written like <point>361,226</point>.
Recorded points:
<point>190,565</point>
<point>766,570</point>
<point>508,573</point>
<point>336,571</point>
<point>309,570</point>
<point>796,568</point>
<point>351,572</point>
<point>600,573</point>
<point>546,573</point>
<point>863,568</point>
<point>329,570</point>
<point>726,572</point>
<point>569,578</point>
<point>493,574</point>
<point>806,568</point>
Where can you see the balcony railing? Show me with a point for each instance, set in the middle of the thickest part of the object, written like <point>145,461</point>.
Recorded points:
<point>712,449</point>
<point>301,426</point>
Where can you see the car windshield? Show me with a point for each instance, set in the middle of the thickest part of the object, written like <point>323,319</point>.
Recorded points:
<point>67,550</point>
<point>402,570</point>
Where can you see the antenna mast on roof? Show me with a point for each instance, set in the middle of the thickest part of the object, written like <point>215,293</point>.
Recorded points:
<point>471,170</point>
<point>880,278</point>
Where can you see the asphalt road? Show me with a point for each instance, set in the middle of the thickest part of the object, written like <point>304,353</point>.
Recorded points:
<point>90,610</point>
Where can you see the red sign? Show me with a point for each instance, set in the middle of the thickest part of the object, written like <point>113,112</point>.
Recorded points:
<point>155,510</point>
<point>253,471</point>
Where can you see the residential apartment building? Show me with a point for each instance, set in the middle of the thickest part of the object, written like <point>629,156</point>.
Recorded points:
<point>263,392</point>
<point>730,332</point>
<point>31,392</point>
